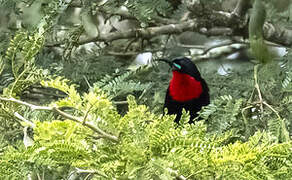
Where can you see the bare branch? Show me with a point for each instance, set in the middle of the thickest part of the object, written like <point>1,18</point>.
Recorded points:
<point>223,23</point>
<point>219,50</point>
<point>217,31</point>
<point>213,23</point>
<point>31,106</point>
<point>144,33</point>
<point>229,44</point>
<point>175,173</point>
<point>269,106</point>
<point>120,102</point>
<point>127,15</point>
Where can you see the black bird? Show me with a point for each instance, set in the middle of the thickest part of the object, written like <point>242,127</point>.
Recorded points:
<point>187,89</point>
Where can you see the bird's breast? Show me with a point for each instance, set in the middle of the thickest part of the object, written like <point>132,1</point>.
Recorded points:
<point>184,87</point>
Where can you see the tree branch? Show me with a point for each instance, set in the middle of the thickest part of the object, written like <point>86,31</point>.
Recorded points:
<point>31,106</point>
<point>145,33</point>
<point>219,17</point>
<point>127,15</point>
<point>214,23</point>
<point>87,124</point>
<point>65,115</point>
<point>219,50</point>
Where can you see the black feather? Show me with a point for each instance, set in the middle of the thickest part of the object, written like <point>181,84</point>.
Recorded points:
<point>193,105</point>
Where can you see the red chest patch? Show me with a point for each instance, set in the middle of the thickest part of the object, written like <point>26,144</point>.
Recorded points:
<point>184,87</point>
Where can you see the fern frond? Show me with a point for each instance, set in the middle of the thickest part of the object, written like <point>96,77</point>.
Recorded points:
<point>223,113</point>
<point>2,65</point>
<point>13,53</point>
<point>22,50</point>
<point>287,82</point>
<point>121,85</point>
<point>60,83</point>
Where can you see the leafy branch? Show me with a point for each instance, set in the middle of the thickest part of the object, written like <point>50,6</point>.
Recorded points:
<point>65,115</point>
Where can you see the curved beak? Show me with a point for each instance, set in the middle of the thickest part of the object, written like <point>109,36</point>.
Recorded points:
<point>174,66</point>
<point>166,61</point>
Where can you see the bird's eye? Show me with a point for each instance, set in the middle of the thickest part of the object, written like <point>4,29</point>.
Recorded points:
<point>177,66</point>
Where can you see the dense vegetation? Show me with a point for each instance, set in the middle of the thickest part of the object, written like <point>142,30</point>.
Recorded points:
<point>73,105</point>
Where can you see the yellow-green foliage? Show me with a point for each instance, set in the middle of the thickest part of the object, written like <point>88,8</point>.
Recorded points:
<point>64,141</point>
<point>73,99</point>
<point>63,131</point>
<point>25,46</point>
<point>94,106</point>
<point>21,55</point>
<point>148,146</point>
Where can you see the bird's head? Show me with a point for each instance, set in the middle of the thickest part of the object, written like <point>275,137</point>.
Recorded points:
<point>183,65</point>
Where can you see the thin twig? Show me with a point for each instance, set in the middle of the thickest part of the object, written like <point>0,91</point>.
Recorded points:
<point>258,87</point>
<point>120,102</point>
<point>129,44</point>
<point>87,124</point>
<point>165,45</point>
<point>31,124</point>
<point>87,112</point>
<point>90,172</point>
<point>270,107</point>
<point>39,177</point>
<point>245,120</point>
<point>87,82</point>
<point>283,125</point>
